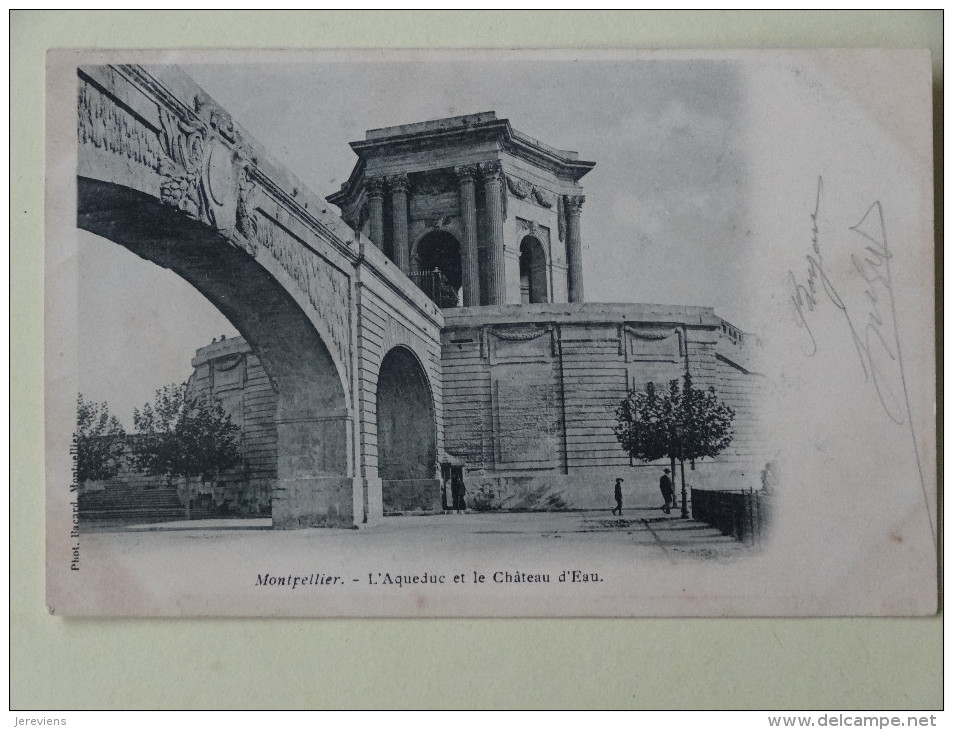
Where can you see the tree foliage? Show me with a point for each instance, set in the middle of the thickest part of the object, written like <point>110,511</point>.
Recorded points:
<point>99,439</point>
<point>178,437</point>
<point>683,423</point>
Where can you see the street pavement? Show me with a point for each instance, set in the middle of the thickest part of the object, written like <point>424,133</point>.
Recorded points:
<point>576,563</point>
<point>644,530</point>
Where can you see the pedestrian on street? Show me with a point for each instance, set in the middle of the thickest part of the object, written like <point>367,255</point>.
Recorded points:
<point>618,496</point>
<point>668,494</point>
<point>458,492</point>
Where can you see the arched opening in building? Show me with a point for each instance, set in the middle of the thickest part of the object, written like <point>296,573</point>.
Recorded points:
<point>406,435</point>
<point>308,443</point>
<point>533,289</point>
<point>439,251</point>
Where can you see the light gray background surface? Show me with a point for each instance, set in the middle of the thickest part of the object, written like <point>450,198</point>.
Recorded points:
<point>217,663</point>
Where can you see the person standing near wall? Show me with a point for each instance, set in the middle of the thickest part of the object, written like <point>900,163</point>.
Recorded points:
<point>458,490</point>
<point>665,485</point>
<point>618,496</point>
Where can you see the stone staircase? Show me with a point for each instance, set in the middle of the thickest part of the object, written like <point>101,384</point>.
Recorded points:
<point>132,504</point>
<point>146,500</point>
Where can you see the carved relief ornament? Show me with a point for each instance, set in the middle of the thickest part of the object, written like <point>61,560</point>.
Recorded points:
<point>518,335</point>
<point>491,171</point>
<point>184,146</point>
<point>207,172</point>
<point>227,363</point>
<point>245,221</point>
<point>525,190</point>
<point>108,127</point>
<point>465,173</point>
<point>520,188</point>
<point>511,335</point>
<point>532,228</point>
<point>203,165</point>
<point>398,183</point>
<point>438,222</point>
<point>325,287</point>
<point>574,204</point>
<point>650,334</point>
<point>374,187</point>
<point>544,198</point>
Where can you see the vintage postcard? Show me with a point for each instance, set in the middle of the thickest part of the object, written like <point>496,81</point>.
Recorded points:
<point>490,334</point>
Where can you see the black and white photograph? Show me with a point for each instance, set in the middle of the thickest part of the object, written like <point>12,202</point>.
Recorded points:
<point>490,333</point>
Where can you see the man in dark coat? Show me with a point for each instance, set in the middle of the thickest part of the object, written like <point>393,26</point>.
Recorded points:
<point>458,491</point>
<point>665,484</point>
<point>618,496</point>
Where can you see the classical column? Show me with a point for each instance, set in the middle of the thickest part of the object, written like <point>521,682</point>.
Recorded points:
<point>469,258</point>
<point>375,205</point>
<point>398,197</point>
<point>574,246</point>
<point>496,283</point>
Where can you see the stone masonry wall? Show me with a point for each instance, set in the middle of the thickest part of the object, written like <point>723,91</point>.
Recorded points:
<point>232,374</point>
<point>530,396</point>
<point>391,318</point>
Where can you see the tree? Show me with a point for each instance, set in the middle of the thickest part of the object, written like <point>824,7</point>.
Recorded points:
<point>182,437</point>
<point>684,424</point>
<point>99,439</point>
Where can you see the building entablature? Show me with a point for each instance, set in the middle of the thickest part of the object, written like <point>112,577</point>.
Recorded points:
<point>474,132</point>
<point>585,313</point>
<point>613,320</point>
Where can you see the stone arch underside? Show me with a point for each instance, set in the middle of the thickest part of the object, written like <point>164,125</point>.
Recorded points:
<point>315,471</point>
<point>406,434</point>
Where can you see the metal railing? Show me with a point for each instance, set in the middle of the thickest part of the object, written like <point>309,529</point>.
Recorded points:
<point>436,285</point>
<point>744,514</point>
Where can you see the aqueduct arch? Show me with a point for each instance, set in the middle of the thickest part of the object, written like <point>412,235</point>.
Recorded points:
<point>406,434</point>
<point>163,171</point>
<point>312,416</point>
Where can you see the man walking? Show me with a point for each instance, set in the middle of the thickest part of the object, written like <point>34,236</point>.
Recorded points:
<point>618,496</point>
<point>665,484</point>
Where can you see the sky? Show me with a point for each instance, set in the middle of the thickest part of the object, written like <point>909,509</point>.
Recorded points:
<point>665,218</point>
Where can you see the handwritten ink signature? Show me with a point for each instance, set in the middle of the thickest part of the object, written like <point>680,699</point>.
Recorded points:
<point>870,331</point>
<point>876,340</point>
<point>807,295</point>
